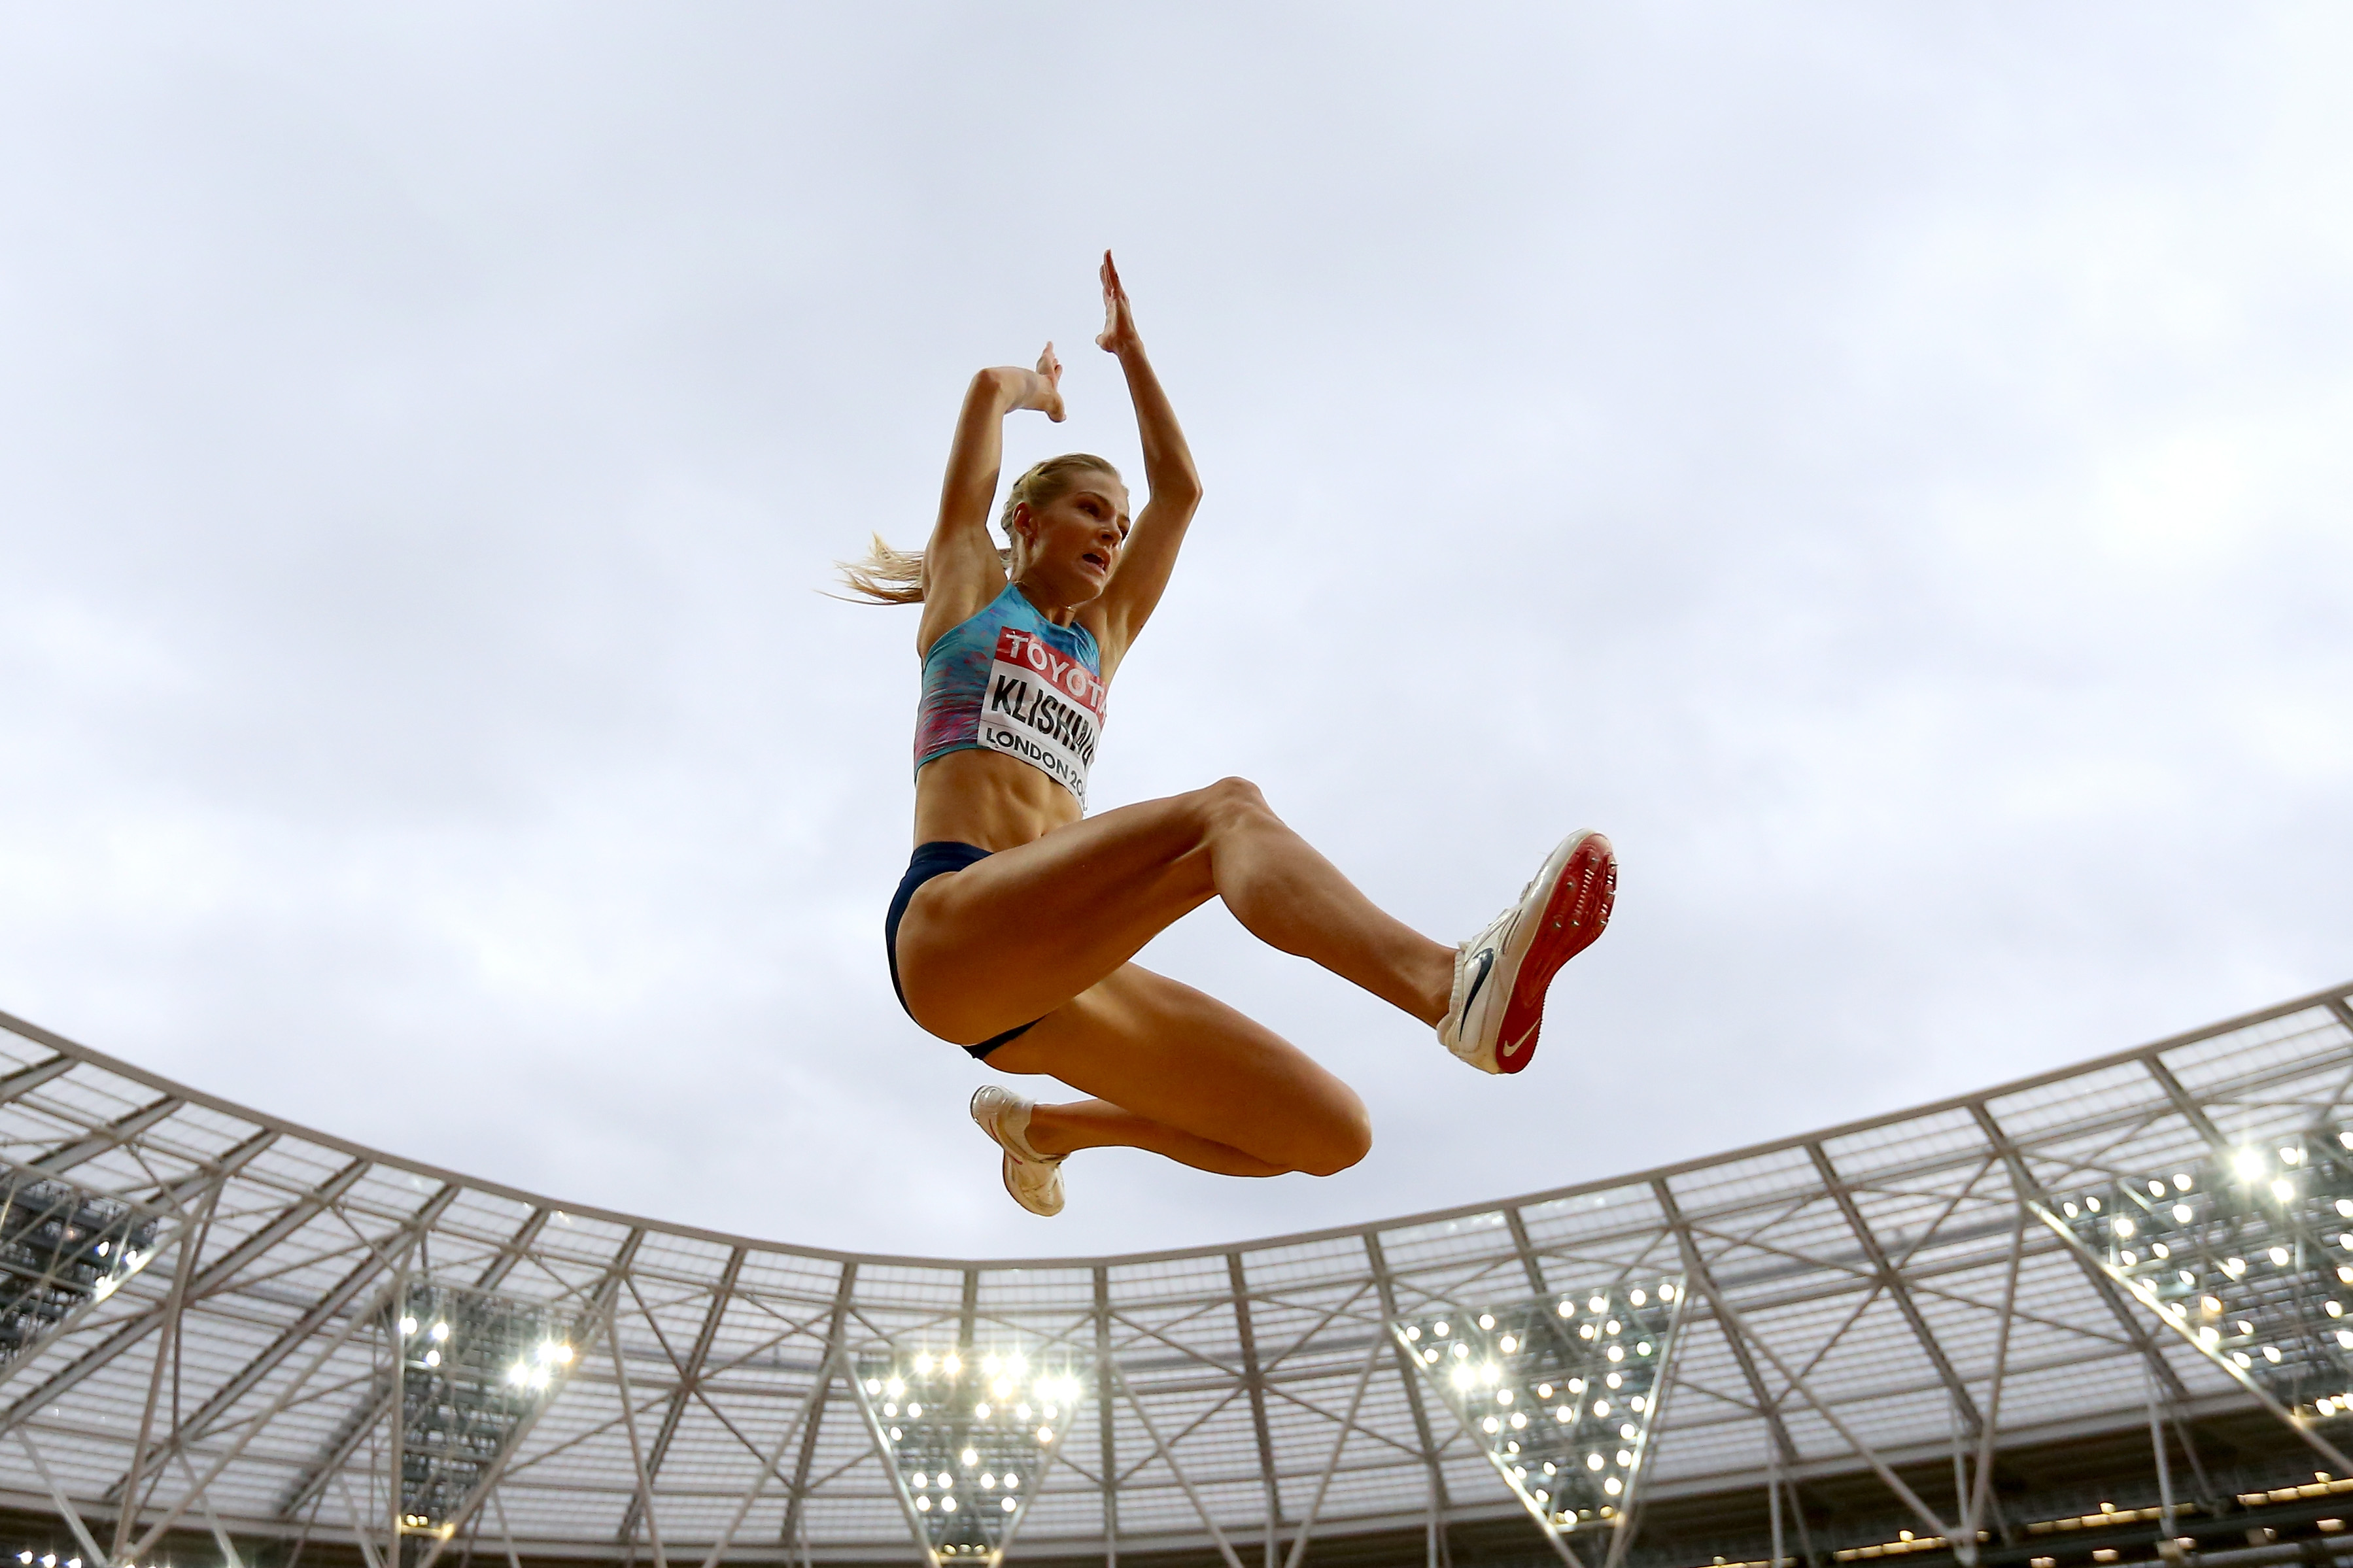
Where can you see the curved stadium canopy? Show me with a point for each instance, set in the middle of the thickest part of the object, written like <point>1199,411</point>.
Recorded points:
<point>223,1335</point>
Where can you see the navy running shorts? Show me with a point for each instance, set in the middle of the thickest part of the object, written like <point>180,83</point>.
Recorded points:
<point>936,859</point>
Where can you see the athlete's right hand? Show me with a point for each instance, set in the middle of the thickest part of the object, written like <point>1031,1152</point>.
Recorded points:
<point>1041,389</point>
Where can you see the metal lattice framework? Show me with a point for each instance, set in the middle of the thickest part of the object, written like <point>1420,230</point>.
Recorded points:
<point>212,1320</point>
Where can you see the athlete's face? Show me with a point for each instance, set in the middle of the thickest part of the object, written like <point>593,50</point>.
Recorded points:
<point>1073,541</point>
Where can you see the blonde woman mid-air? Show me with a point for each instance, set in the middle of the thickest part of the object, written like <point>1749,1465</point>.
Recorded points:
<point>1011,933</point>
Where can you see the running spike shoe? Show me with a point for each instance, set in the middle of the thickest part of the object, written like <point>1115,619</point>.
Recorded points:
<point>1035,1179</point>
<point>1501,974</point>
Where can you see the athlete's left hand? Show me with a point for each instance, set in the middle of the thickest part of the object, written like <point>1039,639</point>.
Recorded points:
<point>1119,335</point>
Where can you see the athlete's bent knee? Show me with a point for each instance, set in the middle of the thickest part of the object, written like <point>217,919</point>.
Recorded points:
<point>1337,1142</point>
<point>1230,803</point>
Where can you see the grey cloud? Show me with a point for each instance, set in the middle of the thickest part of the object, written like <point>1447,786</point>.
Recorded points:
<point>1884,467</point>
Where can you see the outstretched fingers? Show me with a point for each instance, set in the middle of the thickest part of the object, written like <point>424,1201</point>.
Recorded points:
<point>1119,316</point>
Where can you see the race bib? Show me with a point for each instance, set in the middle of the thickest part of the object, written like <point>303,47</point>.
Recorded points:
<point>1044,707</point>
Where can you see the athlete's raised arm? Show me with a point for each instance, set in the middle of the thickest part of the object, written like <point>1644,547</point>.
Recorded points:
<point>1150,553</point>
<point>961,569</point>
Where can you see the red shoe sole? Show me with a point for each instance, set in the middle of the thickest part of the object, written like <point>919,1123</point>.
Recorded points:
<point>1573,919</point>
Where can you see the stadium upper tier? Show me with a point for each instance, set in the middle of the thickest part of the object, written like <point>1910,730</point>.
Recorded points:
<point>211,1322</point>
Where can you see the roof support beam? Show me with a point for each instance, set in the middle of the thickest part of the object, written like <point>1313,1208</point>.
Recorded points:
<point>1556,1327</point>
<point>361,1531</point>
<point>2186,1103</point>
<point>1973,1507</point>
<point>24,1080</point>
<point>314,1483</point>
<point>1160,1446</point>
<point>292,1218</point>
<point>379,1403</point>
<point>828,1365</point>
<point>1407,1375</point>
<point>1728,1318</point>
<point>836,1361</point>
<point>212,1521</point>
<point>167,1345</point>
<point>1530,1263</point>
<point>257,1424</point>
<point>1104,1418</point>
<point>175,1196</point>
<point>64,1504</point>
<point>199,1426</point>
<point>1892,1281</point>
<point>1332,1464</point>
<point>689,1375</point>
<point>1696,1270</point>
<point>2026,1186</point>
<point>113,1136</point>
<point>598,1315</point>
<point>516,1248</point>
<point>641,1505</point>
<point>1254,1382</point>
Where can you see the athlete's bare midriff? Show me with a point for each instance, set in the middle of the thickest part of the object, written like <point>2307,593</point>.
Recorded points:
<point>988,799</point>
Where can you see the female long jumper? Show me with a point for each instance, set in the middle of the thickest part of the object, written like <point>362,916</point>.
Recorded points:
<point>1013,930</point>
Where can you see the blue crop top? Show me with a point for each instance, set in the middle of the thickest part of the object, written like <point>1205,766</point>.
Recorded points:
<point>1011,680</point>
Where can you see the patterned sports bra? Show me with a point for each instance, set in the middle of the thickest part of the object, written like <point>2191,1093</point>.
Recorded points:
<point>1011,680</point>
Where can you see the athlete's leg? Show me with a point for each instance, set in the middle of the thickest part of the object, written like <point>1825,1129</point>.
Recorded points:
<point>1014,937</point>
<point>1179,1073</point>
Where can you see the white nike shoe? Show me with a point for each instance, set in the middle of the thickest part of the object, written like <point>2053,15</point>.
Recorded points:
<point>1035,1179</point>
<point>1501,974</point>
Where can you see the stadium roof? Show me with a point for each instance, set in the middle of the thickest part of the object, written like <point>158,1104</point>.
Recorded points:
<point>249,1328</point>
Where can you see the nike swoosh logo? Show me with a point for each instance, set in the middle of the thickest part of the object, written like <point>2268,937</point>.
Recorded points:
<point>1485,960</point>
<point>1513,1048</point>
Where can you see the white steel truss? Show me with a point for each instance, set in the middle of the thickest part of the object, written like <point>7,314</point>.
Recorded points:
<point>212,1320</point>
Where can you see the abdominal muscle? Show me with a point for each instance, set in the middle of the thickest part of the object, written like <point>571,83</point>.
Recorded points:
<point>988,799</point>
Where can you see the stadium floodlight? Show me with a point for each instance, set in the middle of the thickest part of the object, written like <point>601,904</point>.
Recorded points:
<point>473,1368</point>
<point>968,1438</point>
<point>2248,1259</point>
<point>1561,1392</point>
<point>62,1248</point>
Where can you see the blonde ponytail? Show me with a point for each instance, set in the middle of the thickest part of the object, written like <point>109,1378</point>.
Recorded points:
<point>885,575</point>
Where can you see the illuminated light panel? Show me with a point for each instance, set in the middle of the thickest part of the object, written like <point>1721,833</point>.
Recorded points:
<point>474,1369</point>
<point>62,1247</point>
<point>1559,1392</point>
<point>2246,1257</point>
<point>970,1432</point>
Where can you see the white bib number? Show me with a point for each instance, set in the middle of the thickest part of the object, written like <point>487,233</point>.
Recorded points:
<point>1044,707</point>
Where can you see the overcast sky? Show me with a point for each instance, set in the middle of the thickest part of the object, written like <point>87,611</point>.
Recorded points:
<point>1885,465</point>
